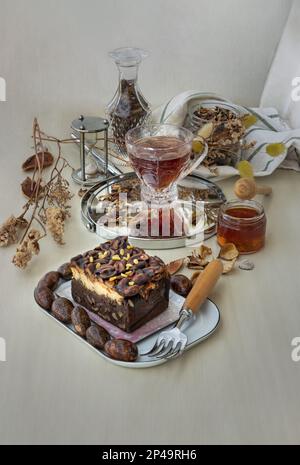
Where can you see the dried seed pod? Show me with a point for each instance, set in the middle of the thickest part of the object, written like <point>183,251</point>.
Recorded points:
<point>200,259</point>
<point>181,285</point>
<point>45,160</point>
<point>97,336</point>
<point>44,297</point>
<point>175,266</point>
<point>197,262</point>
<point>81,321</point>
<point>62,309</point>
<point>50,280</point>
<point>204,252</point>
<point>229,252</point>
<point>124,351</point>
<point>228,265</point>
<point>29,188</point>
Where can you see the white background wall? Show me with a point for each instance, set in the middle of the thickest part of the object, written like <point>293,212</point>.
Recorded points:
<point>53,53</point>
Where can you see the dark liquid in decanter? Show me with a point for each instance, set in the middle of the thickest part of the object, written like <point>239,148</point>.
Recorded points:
<point>130,111</point>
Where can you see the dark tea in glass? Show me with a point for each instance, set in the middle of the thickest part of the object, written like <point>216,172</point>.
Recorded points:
<point>161,155</point>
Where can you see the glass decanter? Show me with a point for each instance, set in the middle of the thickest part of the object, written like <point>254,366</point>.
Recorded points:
<point>128,109</point>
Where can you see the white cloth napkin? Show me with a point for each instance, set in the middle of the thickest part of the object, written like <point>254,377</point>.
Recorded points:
<point>282,86</point>
<point>268,129</point>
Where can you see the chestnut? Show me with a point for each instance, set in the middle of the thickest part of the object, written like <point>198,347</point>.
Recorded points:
<point>181,285</point>
<point>97,336</point>
<point>62,309</point>
<point>65,271</point>
<point>81,321</point>
<point>44,297</point>
<point>124,351</point>
<point>50,280</point>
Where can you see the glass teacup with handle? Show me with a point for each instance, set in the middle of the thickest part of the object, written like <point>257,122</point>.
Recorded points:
<point>162,155</point>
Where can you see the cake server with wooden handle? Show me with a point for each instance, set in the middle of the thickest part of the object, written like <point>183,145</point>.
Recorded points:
<point>173,342</point>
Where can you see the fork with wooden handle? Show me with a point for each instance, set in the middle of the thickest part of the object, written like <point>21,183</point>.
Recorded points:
<point>173,342</point>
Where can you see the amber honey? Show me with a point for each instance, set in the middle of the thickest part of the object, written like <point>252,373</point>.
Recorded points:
<point>243,224</point>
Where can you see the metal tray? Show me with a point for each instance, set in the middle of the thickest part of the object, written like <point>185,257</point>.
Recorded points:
<point>192,186</point>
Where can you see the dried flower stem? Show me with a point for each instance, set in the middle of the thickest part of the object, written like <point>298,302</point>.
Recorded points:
<point>49,201</point>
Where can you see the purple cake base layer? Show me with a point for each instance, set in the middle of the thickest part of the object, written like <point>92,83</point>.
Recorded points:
<point>133,314</point>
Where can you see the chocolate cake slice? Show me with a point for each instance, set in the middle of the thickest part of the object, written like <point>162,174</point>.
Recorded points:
<point>121,283</point>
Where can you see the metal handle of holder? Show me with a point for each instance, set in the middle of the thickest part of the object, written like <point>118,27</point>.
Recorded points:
<point>82,156</point>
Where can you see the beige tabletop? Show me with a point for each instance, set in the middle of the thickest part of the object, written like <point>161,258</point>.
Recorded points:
<point>240,386</point>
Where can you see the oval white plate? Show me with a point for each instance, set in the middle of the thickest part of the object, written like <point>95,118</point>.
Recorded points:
<point>204,325</point>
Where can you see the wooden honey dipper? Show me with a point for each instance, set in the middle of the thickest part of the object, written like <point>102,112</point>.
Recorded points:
<point>247,189</point>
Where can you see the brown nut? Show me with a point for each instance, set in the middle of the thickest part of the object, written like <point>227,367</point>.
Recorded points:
<point>44,297</point>
<point>124,351</point>
<point>81,321</point>
<point>50,280</point>
<point>140,279</point>
<point>181,285</point>
<point>120,267</point>
<point>106,272</point>
<point>97,336</point>
<point>62,309</point>
<point>128,288</point>
<point>65,271</point>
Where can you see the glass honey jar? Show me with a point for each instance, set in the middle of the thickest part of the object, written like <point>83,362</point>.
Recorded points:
<point>242,223</point>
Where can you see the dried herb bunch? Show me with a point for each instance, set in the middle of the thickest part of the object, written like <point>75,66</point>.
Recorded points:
<point>48,204</point>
